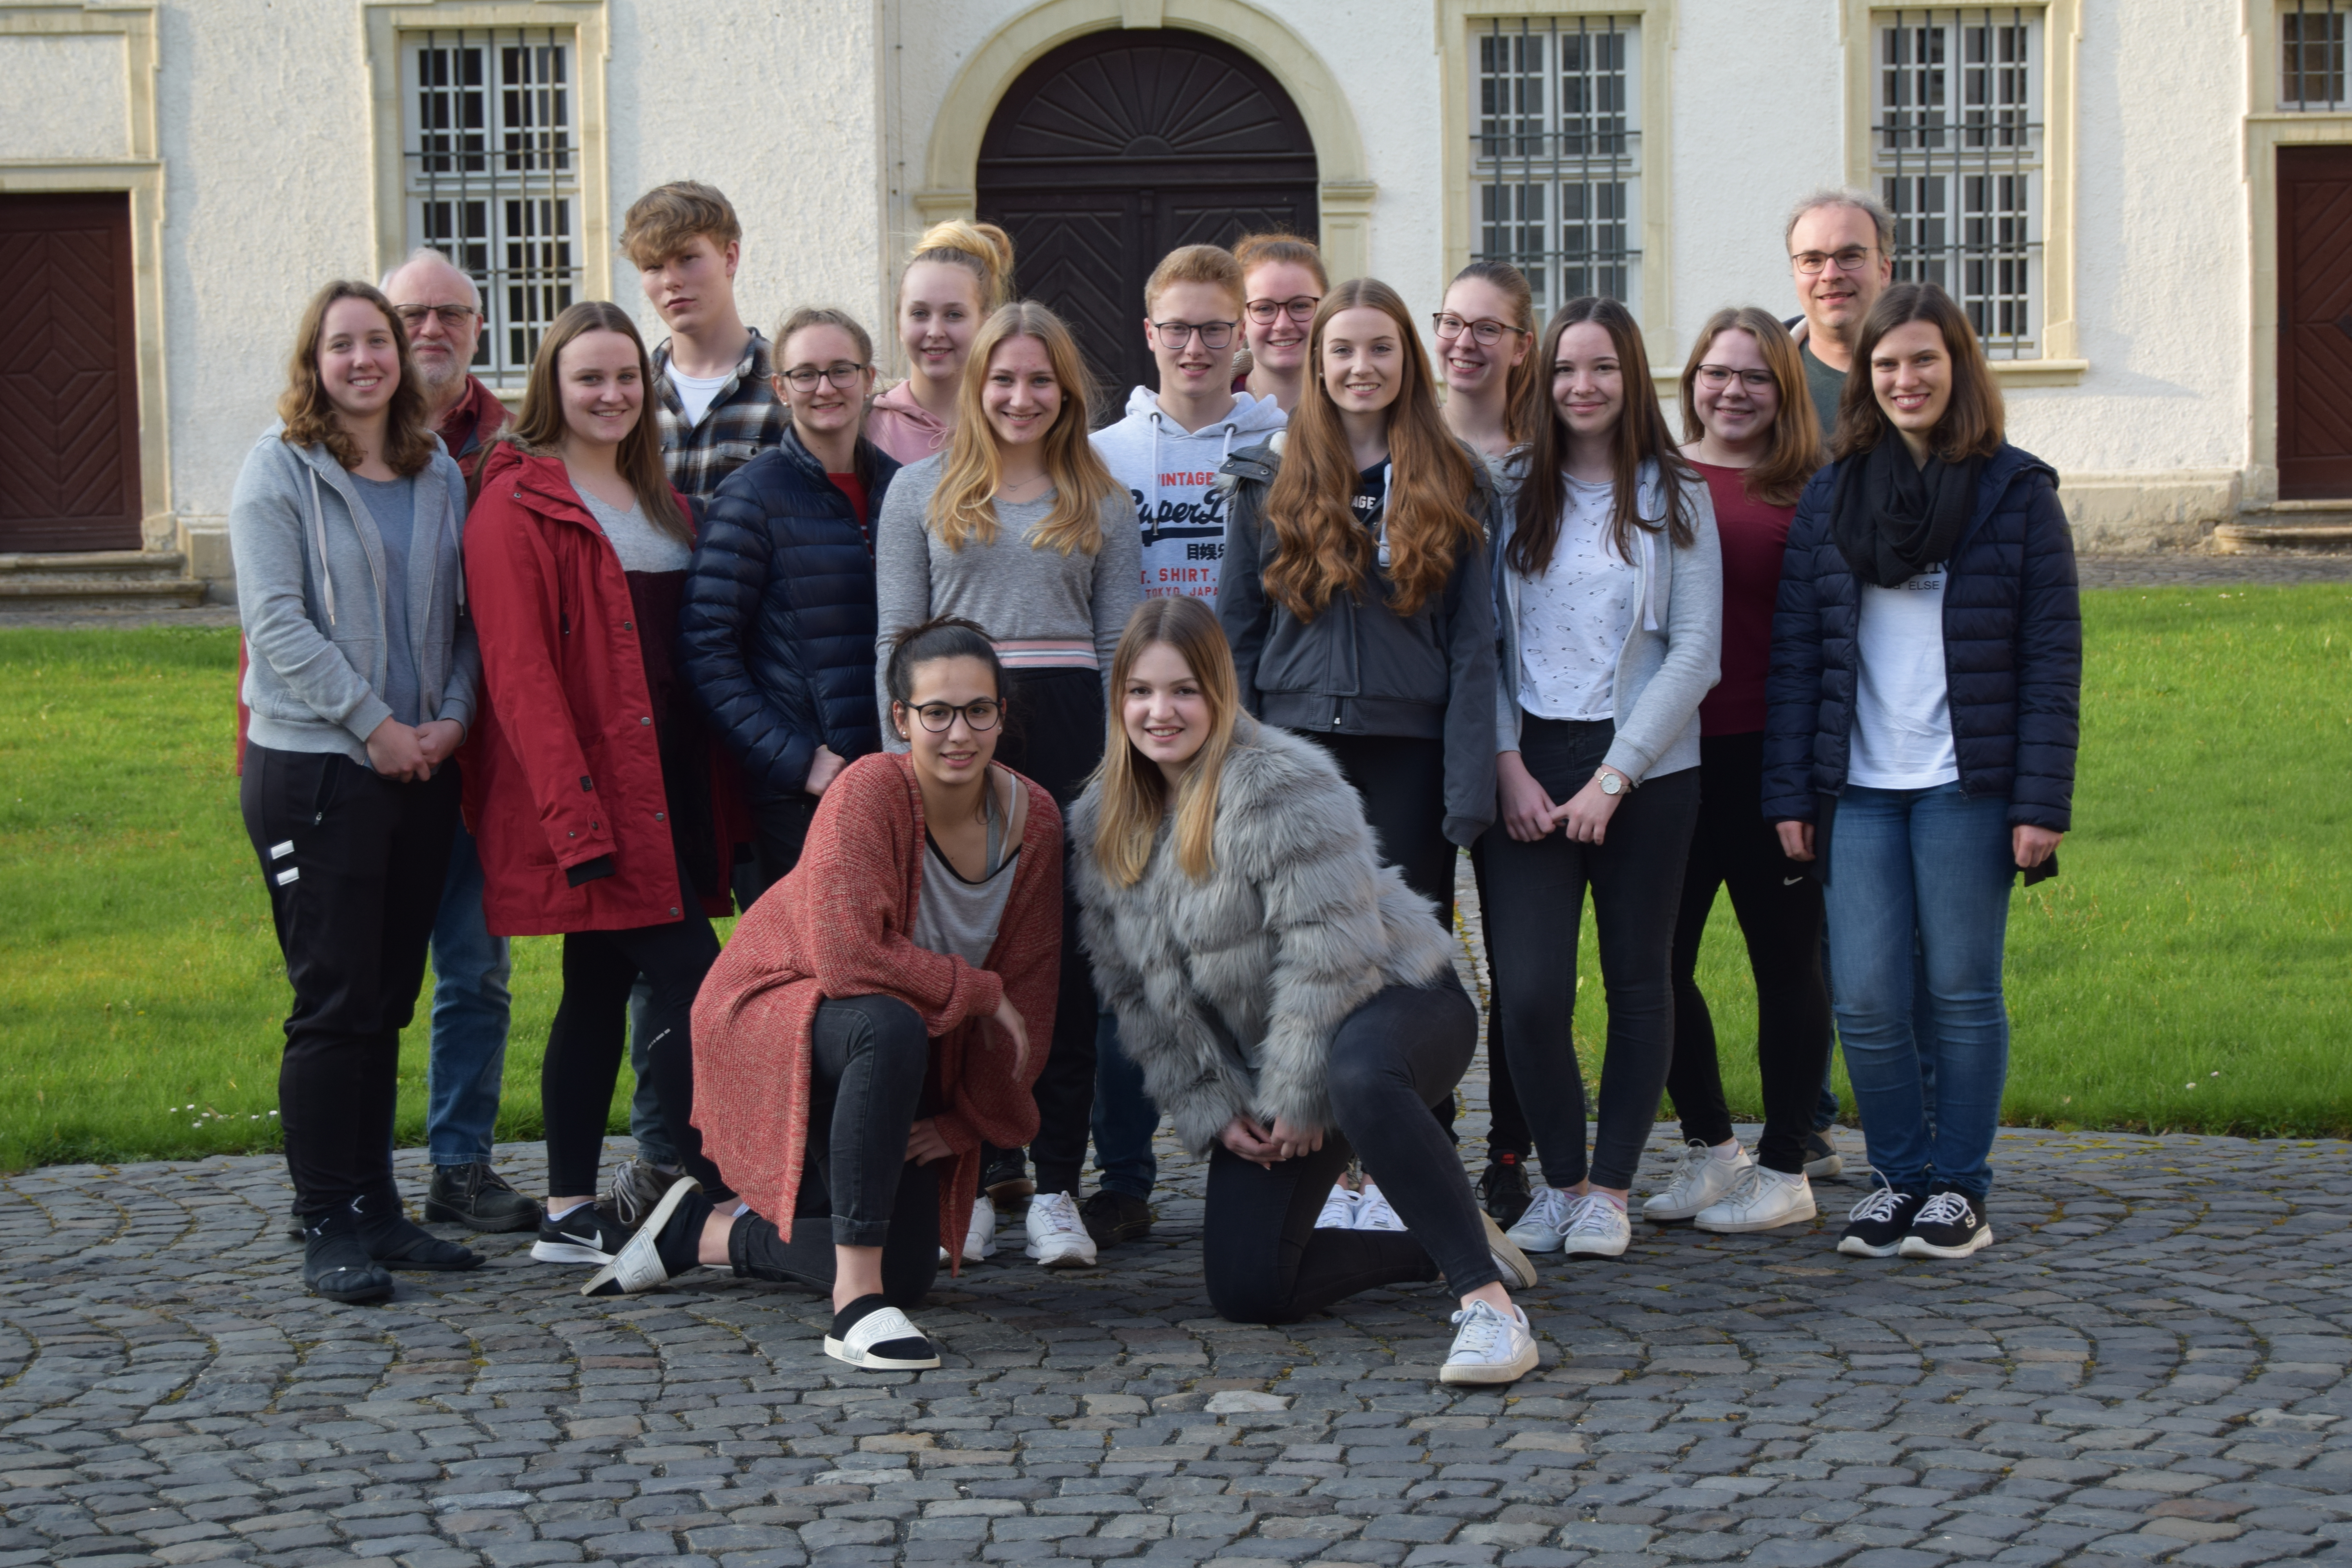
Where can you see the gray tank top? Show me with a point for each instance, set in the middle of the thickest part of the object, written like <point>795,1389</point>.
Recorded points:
<point>959,916</point>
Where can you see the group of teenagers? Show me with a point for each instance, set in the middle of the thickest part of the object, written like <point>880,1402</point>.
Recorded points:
<point>1067,779</point>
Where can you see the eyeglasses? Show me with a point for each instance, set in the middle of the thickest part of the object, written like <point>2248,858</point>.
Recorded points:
<point>1214,334</point>
<point>841,372</point>
<point>451,316</point>
<point>1485,329</point>
<point>1718,376</point>
<point>1850,259</point>
<point>981,713</point>
<point>1301,310</point>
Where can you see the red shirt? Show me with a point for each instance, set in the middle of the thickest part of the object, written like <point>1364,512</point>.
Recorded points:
<point>1753,535</point>
<point>852,487</point>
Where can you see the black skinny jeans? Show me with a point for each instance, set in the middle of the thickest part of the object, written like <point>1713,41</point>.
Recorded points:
<point>585,1042</point>
<point>1536,893</point>
<point>353,864</point>
<point>1054,737</point>
<point>1391,1059</point>
<point>1779,904</point>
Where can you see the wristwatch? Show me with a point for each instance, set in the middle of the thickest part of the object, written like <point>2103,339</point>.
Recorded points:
<point>1612,782</point>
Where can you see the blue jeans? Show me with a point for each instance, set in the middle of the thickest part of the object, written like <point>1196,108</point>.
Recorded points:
<point>1922,876</point>
<point>1124,1119</point>
<point>468,1059</point>
<point>1826,1111</point>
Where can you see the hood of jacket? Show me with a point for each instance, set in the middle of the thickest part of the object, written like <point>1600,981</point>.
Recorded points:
<point>900,400</point>
<point>1172,475</point>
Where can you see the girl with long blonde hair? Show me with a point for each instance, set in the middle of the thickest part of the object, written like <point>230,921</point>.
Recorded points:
<point>1018,527</point>
<point>960,274</point>
<point>1286,996</point>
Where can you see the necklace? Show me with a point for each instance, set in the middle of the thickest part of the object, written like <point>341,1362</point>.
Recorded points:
<point>1007,488</point>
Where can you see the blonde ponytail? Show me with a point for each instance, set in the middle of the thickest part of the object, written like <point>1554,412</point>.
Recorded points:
<point>981,250</point>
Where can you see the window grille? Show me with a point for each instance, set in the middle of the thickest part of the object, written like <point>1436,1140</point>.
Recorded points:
<point>2312,50</point>
<point>1555,147</point>
<point>1957,152</point>
<point>492,177</point>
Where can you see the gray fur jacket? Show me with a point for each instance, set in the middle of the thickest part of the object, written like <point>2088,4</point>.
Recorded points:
<point>1228,990</point>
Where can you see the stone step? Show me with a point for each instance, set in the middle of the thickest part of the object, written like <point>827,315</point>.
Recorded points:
<point>119,565</point>
<point>2288,526</point>
<point>99,580</point>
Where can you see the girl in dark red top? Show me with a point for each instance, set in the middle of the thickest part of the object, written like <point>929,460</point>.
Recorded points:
<point>1753,436</point>
<point>591,780</point>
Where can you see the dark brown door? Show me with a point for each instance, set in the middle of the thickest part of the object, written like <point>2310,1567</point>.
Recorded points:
<point>69,379</point>
<point>1116,149</point>
<point>2314,349</point>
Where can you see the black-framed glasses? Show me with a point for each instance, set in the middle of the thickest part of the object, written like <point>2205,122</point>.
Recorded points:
<point>1487,331</point>
<point>1716,377</point>
<point>981,713</point>
<point>1214,334</point>
<point>1852,258</point>
<point>452,316</point>
<point>1300,310</point>
<point>841,372</point>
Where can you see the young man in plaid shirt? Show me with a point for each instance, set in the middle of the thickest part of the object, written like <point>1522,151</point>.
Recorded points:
<point>713,383</point>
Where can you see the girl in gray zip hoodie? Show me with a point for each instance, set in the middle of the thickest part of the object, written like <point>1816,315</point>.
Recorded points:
<point>344,526</point>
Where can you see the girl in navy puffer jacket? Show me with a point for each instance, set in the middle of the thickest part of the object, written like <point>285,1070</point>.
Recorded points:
<point>1926,682</point>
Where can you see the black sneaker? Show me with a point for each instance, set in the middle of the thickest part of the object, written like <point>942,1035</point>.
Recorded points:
<point>589,1234</point>
<point>335,1261</point>
<point>1112,1217</point>
<point>396,1241</point>
<point>1949,1225</point>
<point>1005,1180</point>
<point>479,1198</point>
<point>638,1188</point>
<point>1503,1190</point>
<point>1877,1225</point>
<point>1823,1160</point>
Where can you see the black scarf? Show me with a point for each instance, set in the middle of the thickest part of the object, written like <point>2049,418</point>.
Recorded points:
<point>1892,520</point>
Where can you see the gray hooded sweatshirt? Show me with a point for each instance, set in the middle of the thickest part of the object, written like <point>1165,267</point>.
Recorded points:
<point>311,591</point>
<point>1172,475</point>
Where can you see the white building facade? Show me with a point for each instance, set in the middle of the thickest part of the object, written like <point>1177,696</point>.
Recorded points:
<point>2134,198</point>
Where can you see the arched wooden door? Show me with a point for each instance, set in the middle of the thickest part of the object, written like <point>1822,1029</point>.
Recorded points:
<point>1112,151</point>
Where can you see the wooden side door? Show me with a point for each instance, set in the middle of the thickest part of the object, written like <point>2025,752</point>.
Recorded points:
<point>2315,346</point>
<point>69,376</point>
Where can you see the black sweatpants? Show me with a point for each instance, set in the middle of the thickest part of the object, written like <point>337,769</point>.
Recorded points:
<point>585,1043</point>
<point>353,863</point>
<point>1779,904</point>
<point>1536,893</point>
<point>1506,1120</point>
<point>1054,737</point>
<point>1391,1059</point>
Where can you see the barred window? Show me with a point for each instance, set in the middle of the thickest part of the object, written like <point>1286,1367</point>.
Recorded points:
<point>1555,149</point>
<point>1957,148</point>
<point>492,177</point>
<point>2312,49</point>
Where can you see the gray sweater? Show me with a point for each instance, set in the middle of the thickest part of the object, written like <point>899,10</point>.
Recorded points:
<point>1672,651</point>
<point>311,591</point>
<point>1020,596</point>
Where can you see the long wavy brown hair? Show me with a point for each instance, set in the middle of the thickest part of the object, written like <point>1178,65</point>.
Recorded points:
<point>310,414</point>
<point>964,507</point>
<point>1320,549</point>
<point>1641,436</point>
<point>1974,420</point>
<point>539,428</point>
<point>1794,452</point>
<point>1134,790</point>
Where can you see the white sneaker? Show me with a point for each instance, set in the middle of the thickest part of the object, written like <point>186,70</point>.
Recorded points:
<point>1595,1227</point>
<point>1057,1236</point>
<point>1490,1346</point>
<point>1338,1210</point>
<point>1517,1272</point>
<point>980,1241</point>
<point>1699,1180</point>
<point>1538,1228</point>
<point>1372,1211</point>
<point>1763,1199</point>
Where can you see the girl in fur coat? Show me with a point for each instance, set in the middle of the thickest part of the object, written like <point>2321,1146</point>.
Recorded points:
<point>1285,996</point>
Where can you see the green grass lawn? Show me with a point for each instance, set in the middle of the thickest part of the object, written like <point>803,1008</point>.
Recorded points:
<point>2197,935</point>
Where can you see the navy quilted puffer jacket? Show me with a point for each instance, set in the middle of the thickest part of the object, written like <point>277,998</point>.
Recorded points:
<point>2012,651</point>
<point>777,629</point>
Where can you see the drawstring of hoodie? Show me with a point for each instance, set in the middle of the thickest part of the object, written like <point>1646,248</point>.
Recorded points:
<point>318,526</point>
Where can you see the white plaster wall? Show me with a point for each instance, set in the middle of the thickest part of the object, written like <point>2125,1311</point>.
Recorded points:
<point>66,97</point>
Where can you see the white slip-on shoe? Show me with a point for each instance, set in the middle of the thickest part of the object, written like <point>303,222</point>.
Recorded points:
<point>1490,1346</point>
<point>1338,1210</point>
<point>873,1334</point>
<point>1058,1234</point>
<point>1595,1227</point>
<point>1537,1229</point>
<point>638,1267</point>
<point>1699,1180</point>
<point>980,1240</point>
<point>1764,1200</point>
<point>1372,1210</point>
<point>1518,1272</point>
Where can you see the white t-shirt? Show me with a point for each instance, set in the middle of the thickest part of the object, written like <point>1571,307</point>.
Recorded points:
<point>694,392</point>
<point>1902,703</point>
<point>1574,619</point>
